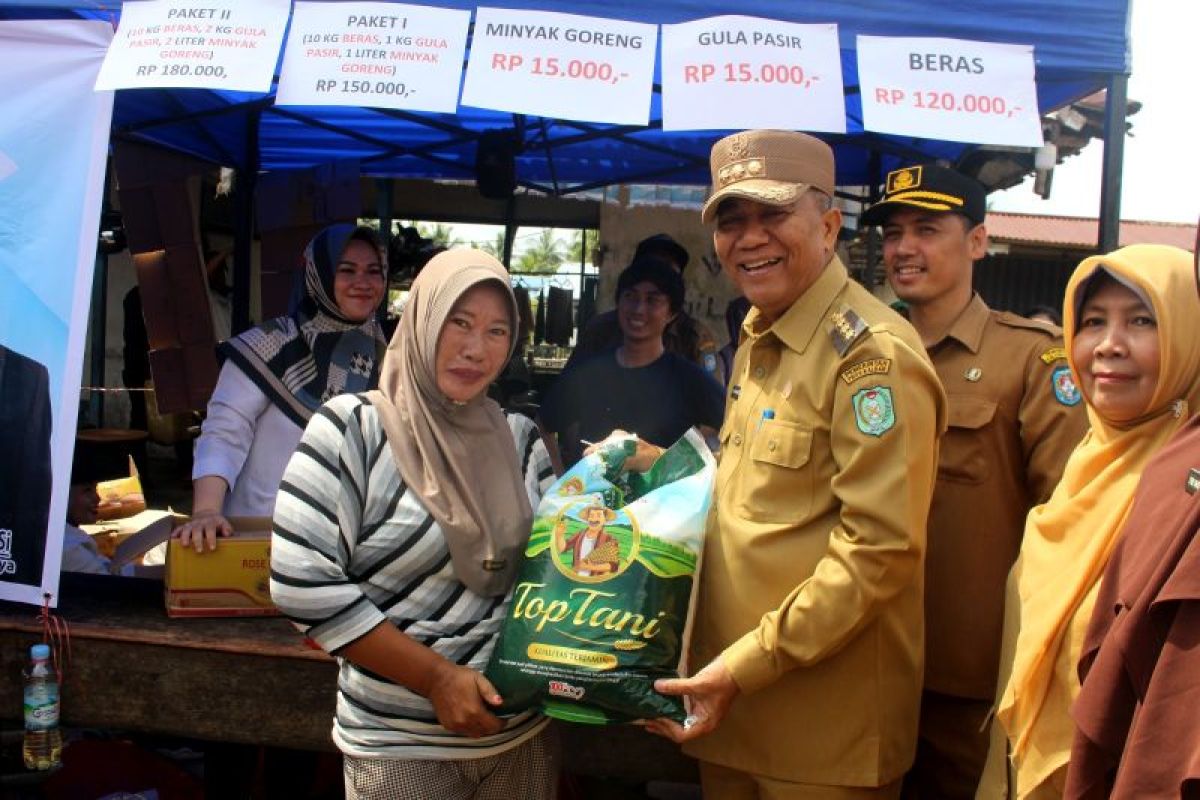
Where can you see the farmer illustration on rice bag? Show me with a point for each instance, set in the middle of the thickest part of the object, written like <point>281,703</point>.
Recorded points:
<point>594,551</point>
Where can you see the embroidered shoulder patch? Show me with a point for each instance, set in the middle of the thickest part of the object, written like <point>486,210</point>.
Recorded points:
<point>874,366</point>
<point>1054,354</point>
<point>873,410</point>
<point>847,326</point>
<point>1065,390</point>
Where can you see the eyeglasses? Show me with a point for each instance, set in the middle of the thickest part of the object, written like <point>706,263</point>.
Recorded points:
<point>653,300</point>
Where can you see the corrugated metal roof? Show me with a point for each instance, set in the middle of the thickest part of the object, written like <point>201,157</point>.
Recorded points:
<point>1083,232</point>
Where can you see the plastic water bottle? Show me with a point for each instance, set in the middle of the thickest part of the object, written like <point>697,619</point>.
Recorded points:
<point>43,739</point>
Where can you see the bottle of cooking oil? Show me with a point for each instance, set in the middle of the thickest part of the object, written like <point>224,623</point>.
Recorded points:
<point>43,739</point>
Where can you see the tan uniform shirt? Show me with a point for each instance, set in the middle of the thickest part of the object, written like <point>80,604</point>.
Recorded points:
<point>1015,416</point>
<point>811,584</point>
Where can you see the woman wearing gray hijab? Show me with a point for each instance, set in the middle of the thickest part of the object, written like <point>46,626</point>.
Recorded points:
<point>398,531</point>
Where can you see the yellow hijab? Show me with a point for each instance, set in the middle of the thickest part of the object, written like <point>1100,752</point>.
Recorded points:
<point>1068,540</point>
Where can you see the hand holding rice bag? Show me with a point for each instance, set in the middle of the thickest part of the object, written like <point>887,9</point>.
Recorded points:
<point>599,607</point>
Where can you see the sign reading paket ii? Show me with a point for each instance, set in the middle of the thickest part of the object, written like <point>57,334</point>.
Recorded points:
<point>206,44</point>
<point>386,55</point>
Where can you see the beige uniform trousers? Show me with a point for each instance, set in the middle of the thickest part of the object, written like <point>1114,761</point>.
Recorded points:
<point>722,783</point>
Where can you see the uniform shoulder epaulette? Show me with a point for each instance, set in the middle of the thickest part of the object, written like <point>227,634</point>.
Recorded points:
<point>845,328</point>
<point>1016,321</point>
<point>1048,353</point>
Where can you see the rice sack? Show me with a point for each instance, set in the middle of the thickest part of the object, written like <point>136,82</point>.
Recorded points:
<point>599,607</point>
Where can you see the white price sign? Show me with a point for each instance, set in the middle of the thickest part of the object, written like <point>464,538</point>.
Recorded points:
<point>386,55</point>
<point>206,44</point>
<point>953,89</point>
<point>736,72</point>
<point>561,65</point>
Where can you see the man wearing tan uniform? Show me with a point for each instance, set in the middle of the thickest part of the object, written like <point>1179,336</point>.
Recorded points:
<point>808,623</point>
<point>1015,416</point>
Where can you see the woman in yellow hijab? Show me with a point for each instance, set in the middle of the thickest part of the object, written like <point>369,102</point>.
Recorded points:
<point>1131,322</point>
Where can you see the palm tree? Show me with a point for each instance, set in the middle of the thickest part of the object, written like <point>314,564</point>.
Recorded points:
<point>544,255</point>
<point>575,249</point>
<point>495,247</point>
<point>440,234</point>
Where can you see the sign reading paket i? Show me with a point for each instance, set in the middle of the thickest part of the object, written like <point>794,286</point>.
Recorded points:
<point>952,89</point>
<point>736,72</point>
<point>209,44</point>
<point>387,55</point>
<point>561,65</point>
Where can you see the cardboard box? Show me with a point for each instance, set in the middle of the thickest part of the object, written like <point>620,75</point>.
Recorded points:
<point>231,581</point>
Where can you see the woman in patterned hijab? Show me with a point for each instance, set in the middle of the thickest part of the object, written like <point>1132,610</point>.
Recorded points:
<point>276,375</point>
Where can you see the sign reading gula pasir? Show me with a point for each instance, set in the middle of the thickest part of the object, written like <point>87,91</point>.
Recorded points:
<point>735,72</point>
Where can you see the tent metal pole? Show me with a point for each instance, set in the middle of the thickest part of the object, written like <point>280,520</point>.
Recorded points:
<point>510,231</point>
<point>243,230</point>
<point>1114,157</point>
<point>383,209</point>
<point>873,170</point>
<point>99,315</point>
<point>98,339</point>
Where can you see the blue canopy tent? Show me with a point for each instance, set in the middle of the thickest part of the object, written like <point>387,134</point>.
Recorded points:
<point>1080,47</point>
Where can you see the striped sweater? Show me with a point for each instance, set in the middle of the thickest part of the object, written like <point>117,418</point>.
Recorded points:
<point>352,546</point>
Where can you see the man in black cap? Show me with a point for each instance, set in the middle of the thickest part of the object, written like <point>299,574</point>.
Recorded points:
<point>637,386</point>
<point>686,335</point>
<point>1012,428</point>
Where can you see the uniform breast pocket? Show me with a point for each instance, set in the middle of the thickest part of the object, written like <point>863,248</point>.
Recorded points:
<point>776,480</point>
<point>963,454</point>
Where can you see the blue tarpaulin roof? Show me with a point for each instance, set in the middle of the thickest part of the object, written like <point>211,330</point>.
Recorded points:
<point>1077,44</point>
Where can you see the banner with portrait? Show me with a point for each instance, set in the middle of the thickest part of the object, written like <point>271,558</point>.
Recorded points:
<point>53,146</point>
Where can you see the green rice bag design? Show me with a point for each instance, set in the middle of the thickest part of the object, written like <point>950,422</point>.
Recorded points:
<point>599,607</point>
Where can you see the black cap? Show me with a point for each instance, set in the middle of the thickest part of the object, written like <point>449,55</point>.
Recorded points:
<point>932,188</point>
<point>661,243</point>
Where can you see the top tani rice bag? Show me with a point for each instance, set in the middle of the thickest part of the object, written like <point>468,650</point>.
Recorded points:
<point>599,607</point>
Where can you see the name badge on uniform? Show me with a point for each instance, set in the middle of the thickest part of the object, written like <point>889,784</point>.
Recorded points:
<point>1193,481</point>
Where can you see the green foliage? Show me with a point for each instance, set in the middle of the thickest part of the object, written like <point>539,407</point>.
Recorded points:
<point>441,234</point>
<point>544,255</point>
<point>495,247</point>
<point>576,252</point>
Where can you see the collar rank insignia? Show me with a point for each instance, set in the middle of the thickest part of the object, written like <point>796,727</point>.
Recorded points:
<point>847,327</point>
